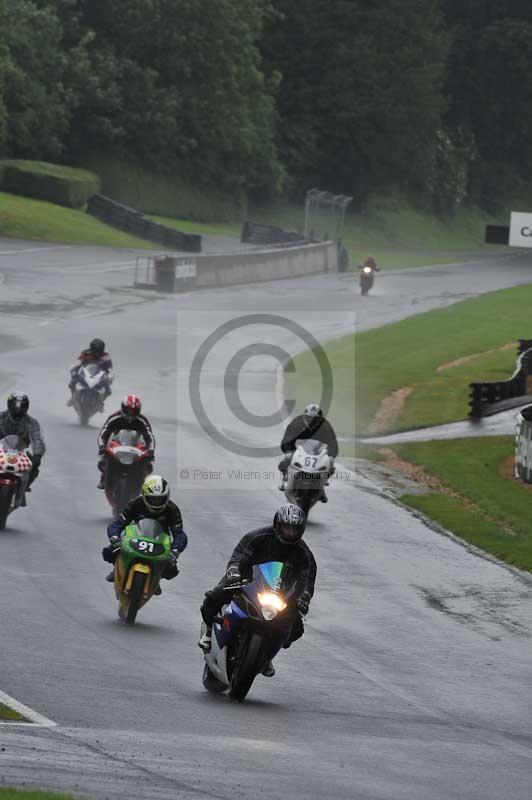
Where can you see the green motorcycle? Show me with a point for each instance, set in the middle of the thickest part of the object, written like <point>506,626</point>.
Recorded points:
<point>143,556</point>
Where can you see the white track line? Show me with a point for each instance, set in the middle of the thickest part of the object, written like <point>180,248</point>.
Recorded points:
<point>35,718</point>
<point>35,250</point>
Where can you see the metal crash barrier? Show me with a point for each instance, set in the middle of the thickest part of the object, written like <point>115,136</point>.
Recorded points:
<point>165,273</point>
<point>490,397</point>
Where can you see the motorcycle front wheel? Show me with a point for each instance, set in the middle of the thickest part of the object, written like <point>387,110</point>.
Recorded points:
<point>252,657</point>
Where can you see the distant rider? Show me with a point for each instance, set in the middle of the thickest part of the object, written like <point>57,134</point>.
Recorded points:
<point>94,354</point>
<point>128,418</point>
<point>153,503</point>
<point>371,263</point>
<point>16,421</point>
<point>311,424</point>
<point>280,541</point>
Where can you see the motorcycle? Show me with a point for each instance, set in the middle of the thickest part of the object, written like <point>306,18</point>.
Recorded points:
<point>251,630</point>
<point>89,392</point>
<point>143,556</point>
<point>307,474</point>
<point>367,278</point>
<point>125,468</point>
<point>15,468</point>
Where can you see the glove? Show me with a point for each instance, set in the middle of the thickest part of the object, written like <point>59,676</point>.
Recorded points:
<point>110,551</point>
<point>150,455</point>
<point>233,575</point>
<point>174,555</point>
<point>303,603</point>
<point>101,451</point>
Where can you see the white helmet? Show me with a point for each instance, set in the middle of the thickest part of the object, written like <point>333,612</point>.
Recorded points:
<point>155,493</point>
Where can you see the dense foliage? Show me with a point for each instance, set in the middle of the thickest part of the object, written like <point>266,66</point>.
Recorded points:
<point>428,96</point>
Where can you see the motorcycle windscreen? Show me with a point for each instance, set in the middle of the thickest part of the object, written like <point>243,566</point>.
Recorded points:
<point>150,529</point>
<point>271,573</point>
<point>128,438</point>
<point>311,446</point>
<point>13,443</point>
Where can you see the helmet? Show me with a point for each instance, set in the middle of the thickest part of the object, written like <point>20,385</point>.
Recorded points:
<point>312,416</point>
<point>131,406</point>
<point>18,404</point>
<point>97,347</point>
<point>155,493</point>
<point>289,523</point>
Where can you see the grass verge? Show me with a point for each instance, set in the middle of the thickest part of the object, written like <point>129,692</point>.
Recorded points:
<point>31,794</point>
<point>480,501</point>
<point>435,355</point>
<point>25,218</point>
<point>8,714</point>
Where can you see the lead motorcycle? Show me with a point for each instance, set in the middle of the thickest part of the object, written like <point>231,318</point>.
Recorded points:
<point>125,468</point>
<point>143,556</point>
<point>367,279</point>
<point>15,468</point>
<point>307,474</point>
<point>251,629</point>
<point>91,385</point>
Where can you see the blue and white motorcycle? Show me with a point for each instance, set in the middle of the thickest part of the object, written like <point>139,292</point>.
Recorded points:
<point>92,383</point>
<point>251,629</point>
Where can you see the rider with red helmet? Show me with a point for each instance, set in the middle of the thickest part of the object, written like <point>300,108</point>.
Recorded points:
<point>128,418</point>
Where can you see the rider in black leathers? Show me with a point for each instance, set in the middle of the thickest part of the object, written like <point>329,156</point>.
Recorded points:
<point>311,424</point>
<point>94,354</point>
<point>16,421</point>
<point>128,418</point>
<point>280,541</point>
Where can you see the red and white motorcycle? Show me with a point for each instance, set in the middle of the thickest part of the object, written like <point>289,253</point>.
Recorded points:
<point>15,468</point>
<point>125,469</point>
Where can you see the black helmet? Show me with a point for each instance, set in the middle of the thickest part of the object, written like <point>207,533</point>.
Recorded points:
<point>289,523</point>
<point>312,416</point>
<point>97,347</point>
<point>18,404</point>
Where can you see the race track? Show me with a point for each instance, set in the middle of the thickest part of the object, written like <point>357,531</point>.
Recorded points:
<point>413,679</point>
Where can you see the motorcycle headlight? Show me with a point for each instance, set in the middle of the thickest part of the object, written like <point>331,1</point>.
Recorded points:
<point>271,604</point>
<point>367,270</point>
<point>127,458</point>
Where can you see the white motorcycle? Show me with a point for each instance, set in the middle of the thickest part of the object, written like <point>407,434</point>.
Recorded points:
<point>15,468</point>
<point>89,391</point>
<point>308,472</point>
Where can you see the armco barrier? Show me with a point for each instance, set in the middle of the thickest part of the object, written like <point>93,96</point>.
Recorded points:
<point>266,265</point>
<point>133,221</point>
<point>491,397</point>
<point>523,445</point>
<point>257,233</point>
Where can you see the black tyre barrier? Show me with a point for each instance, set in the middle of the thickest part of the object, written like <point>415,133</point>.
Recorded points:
<point>491,397</point>
<point>256,233</point>
<point>133,221</point>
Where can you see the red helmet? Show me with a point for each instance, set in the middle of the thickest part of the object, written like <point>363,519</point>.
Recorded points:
<point>131,406</point>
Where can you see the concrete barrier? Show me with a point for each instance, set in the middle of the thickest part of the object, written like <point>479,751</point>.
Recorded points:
<point>270,265</point>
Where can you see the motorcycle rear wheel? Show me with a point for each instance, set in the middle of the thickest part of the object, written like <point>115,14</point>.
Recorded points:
<point>252,662</point>
<point>211,683</point>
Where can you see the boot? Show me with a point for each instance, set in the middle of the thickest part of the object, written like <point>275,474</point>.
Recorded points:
<point>111,577</point>
<point>323,497</point>
<point>157,591</point>
<point>69,402</point>
<point>100,482</point>
<point>205,640</point>
<point>269,670</point>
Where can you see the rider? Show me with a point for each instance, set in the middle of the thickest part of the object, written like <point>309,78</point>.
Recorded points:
<point>280,541</point>
<point>311,424</point>
<point>94,354</point>
<point>128,418</point>
<point>16,421</point>
<point>152,503</point>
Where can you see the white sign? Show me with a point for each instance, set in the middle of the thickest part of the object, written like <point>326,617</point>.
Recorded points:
<point>520,230</point>
<point>187,269</point>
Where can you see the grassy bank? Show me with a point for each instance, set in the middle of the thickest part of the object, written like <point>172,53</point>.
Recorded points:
<point>434,355</point>
<point>37,220</point>
<point>479,499</point>
<point>8,714</point>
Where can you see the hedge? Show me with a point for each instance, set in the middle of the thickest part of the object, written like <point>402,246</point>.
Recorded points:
<point>65,186</point>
